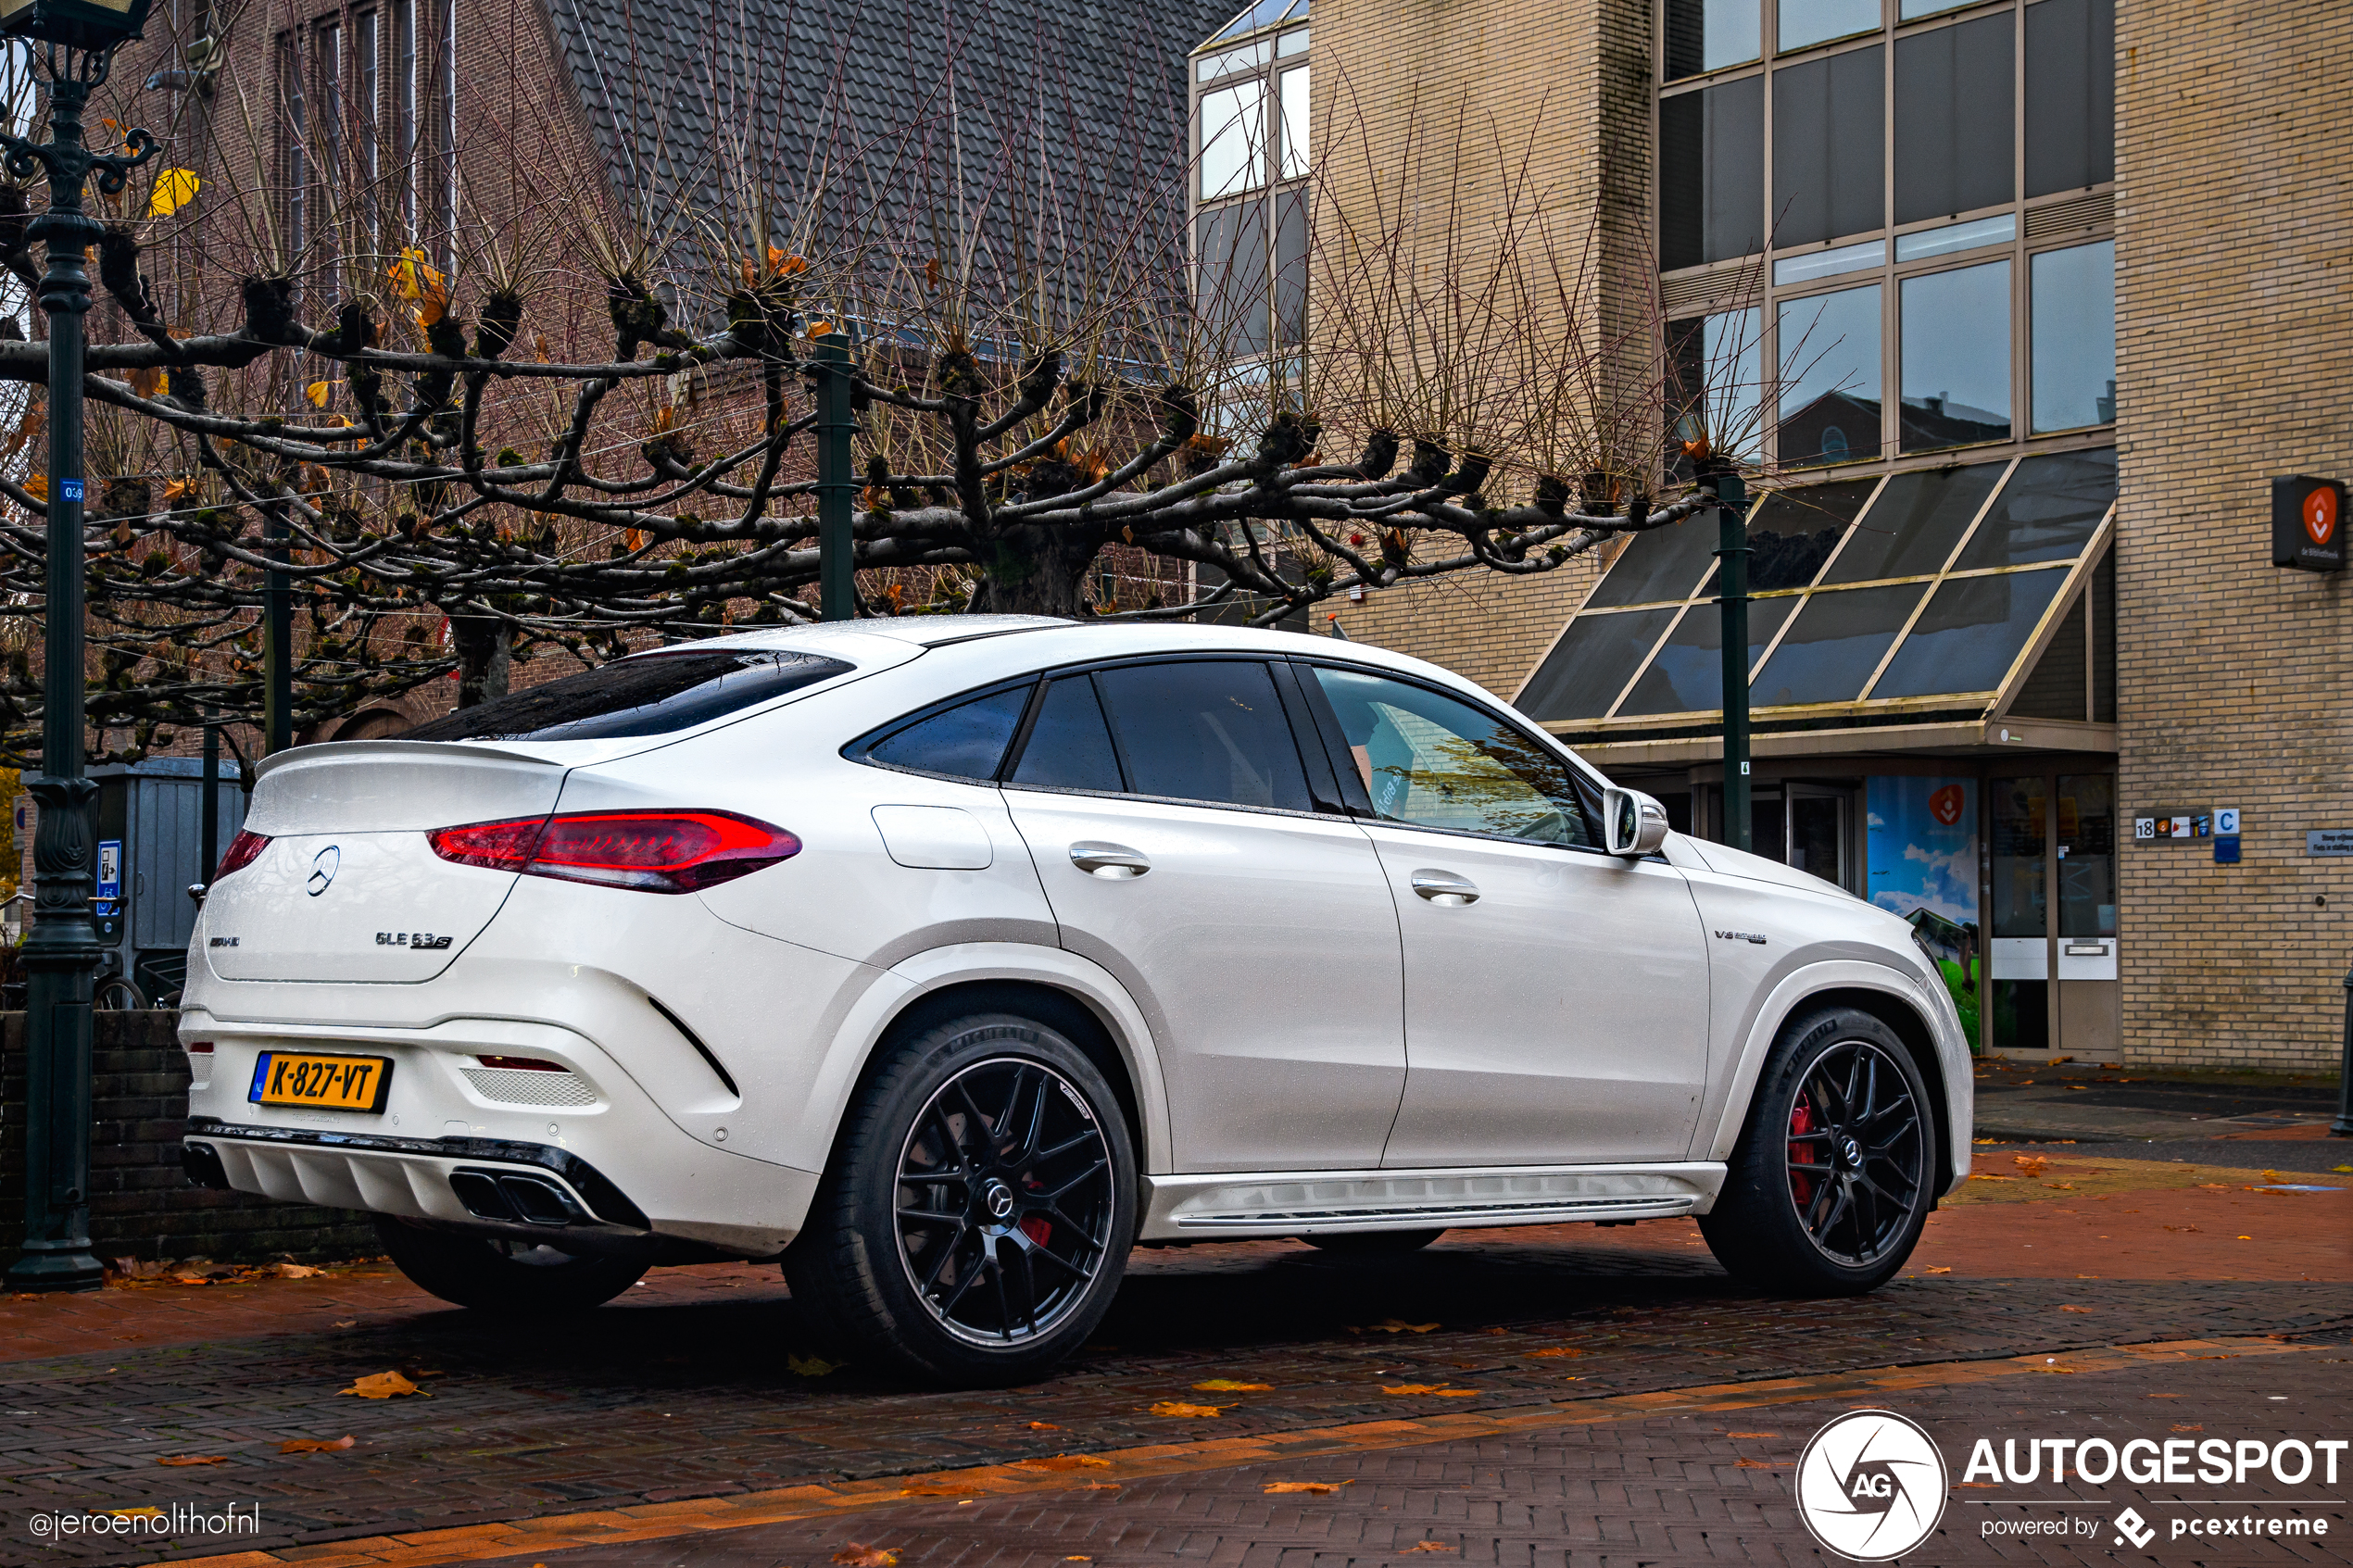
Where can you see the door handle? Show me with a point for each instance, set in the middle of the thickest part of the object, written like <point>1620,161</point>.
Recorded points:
<point>1114,861</point>
<point>1445,889</point>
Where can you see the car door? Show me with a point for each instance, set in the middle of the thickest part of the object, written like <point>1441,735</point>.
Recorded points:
<point>1556,997</point>
<point>1169,808</point>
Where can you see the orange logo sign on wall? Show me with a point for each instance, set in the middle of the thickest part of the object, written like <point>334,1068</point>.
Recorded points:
<point>2320,513</point>
<point>1945,805</point>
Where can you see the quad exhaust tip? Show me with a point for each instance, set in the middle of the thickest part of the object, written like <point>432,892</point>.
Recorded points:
<point>517,1199</point>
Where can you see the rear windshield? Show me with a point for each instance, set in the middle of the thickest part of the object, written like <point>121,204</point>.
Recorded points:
<point>652,694</point>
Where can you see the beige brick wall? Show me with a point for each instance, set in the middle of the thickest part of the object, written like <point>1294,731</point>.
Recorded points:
<point>2234,343</point>
<point>1481,108</point>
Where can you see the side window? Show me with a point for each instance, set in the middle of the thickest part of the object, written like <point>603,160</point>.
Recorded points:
<point>967,741</point>
<point>1069,747</point>
<point>1211,730</point>
<point>1435,761</point>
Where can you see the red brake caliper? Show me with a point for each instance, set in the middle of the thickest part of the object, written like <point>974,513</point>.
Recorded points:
<point>1801,1122</point>
<point>1037,1228</point>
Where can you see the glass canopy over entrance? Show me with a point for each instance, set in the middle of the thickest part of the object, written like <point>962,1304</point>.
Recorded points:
<point>1907,599</point>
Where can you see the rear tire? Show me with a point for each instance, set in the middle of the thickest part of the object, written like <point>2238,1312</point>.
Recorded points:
<point>1375,1243</point>
<point>494,1275</point>
<point>1830,1183</point>
<point>974,1220</point>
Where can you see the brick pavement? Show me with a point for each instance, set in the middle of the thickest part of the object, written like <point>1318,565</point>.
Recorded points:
<point>686,1389</point>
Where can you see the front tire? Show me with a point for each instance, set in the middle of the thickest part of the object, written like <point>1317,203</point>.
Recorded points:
<point>1829,1186</point>
<point>497,1276</point>
<point>976,1216</point>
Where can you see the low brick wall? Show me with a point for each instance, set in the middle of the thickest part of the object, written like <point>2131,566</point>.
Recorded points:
<point>140,1204</point>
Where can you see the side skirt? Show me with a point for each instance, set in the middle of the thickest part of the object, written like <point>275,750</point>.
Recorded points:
<point>1235,1205</point>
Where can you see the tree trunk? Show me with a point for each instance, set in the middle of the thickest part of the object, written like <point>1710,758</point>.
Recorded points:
<point>1036,571</point>
<point>485,657</point>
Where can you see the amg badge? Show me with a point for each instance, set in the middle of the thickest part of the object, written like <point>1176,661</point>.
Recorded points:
<point>1755,936</point>
<point>424,939</point>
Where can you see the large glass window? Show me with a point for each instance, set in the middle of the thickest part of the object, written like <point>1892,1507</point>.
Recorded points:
<point>1291,100</point>
<point>1827,120</point>
<point>1069,745</point>
<point>1437,762</point>
<point>1956,356</point>
<point>1816,21</point>
<point>1582,677</point>
<point>965,742</point>
<point>1719,380</point>
<point>2070,94</point>
<point>1927,584</point>
<point>1952,118</point>
<point>1233,139</point>
<point>1711,173</point>
<point>1970,634</point>
<point>1704,35</point>
<point>2074,337</point>
<point>1828,348</point>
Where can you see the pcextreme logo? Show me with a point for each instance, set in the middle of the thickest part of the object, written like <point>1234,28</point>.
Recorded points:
<point>1871,1486</point>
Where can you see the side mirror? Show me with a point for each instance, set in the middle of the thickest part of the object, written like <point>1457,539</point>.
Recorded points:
<point>1633,824</point>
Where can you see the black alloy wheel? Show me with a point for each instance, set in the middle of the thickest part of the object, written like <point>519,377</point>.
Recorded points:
<point>976,1213</point>
<point>1835,1171</point>
<point>1006,1201</point>
<point>1857,1153</point>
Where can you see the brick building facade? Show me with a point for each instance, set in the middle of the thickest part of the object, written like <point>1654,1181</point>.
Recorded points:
<point>2016,616</point>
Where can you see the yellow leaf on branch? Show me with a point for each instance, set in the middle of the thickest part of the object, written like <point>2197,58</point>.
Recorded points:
<point>318,392</point>
<point>175,188</point>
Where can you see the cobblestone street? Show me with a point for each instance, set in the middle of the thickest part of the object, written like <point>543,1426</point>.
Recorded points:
<point>1502,1394</point>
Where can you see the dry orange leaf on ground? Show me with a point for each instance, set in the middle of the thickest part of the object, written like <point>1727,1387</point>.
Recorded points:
<point>1100,1486</point>
<point>193,1459</point>
<point>1558,1350</point>
<point>937,1489</point>
<point>1065,1462</point>
<point>1043,1427</point>
<point>1940,1271</point>
<point>857,1555</point>
<point>314,1445</point>
<point>2075,1309</point>
<point>1429,1546</point>
<point>1752,1434</point>
<point>1228,1386</point>
<point>297,1270</point>
<point>1317,1488</point>
<point>1179,1407</point>
<point>811,1366</point>
<point>149,1512</point>
<point>1440,1391</point>
<point>381,1386</point>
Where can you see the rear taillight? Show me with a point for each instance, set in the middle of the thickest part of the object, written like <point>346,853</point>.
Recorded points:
<point>198,1047</point>
<point>651,851</point>
<point>243,850</point>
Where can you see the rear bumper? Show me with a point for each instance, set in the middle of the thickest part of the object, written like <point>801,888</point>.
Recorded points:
<point>491,1186</point>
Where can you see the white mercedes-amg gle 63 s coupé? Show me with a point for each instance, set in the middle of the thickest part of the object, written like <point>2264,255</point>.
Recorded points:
<point>946,959</point>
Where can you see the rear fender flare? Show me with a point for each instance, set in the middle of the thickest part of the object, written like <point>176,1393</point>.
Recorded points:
<point>1792,993</point>
<point>869,1020</point>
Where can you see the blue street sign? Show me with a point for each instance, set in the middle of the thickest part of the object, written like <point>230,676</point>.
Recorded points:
<point>69,490</point>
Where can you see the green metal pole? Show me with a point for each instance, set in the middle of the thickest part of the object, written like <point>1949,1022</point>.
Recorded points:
<point>1733,551</point>
<point>836,485</point>
<point>277,641</point>
<point>61,955</point>
<point>208,832</point>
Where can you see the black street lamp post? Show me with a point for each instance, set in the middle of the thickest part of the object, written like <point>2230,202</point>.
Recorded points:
<point>1732,550</point>
<point>74,43</point>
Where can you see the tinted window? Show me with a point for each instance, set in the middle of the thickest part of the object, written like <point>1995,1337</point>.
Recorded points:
<point>965,742</point>
<point>1435,761</point>
<point>1829,403</point>
<point>653,694</point>
<point>2070,94</point>
<point>1794,531</point>
<point>1915,523</point>
<point>1956,356</point>
<point>1209,730</point>
<point>1068,746</point>
<point>1708,35</point>
<point>1688,674</point>
<point>2047,511</point>
<point>1711,174</point>
<point>1969,635</point>
<point>1591,664</point>
<point>1664,563</point>
<point>1952,118</point>
<point>1827,116</point>
<point>1833,647</point>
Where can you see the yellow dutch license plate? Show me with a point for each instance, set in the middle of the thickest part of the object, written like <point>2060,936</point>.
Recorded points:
<point>331,1083</point>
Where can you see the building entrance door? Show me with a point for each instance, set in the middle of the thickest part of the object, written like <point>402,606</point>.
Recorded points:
<point>2054,984</point>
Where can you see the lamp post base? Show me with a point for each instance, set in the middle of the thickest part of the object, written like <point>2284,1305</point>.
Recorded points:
<point>57,1265</point>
